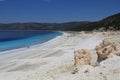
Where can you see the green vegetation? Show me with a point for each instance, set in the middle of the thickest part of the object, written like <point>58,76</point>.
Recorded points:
<point>109,23</point>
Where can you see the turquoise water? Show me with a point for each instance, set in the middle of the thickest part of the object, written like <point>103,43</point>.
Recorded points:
<point>28,41</point>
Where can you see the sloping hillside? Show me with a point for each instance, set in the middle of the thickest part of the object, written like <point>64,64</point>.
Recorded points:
<point>109,23</point>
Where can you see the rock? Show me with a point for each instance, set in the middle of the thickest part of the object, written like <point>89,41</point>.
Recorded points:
<point>106,49</point>
<point>107,42</point>
<point>94,58</point>
<point>98,47</point>
<point>75,71</point>
<point>82,57</point>
<point>118,52</point>
<point>86,71</point>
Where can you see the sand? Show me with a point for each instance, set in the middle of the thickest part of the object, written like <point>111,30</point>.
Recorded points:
<point>53,60</point>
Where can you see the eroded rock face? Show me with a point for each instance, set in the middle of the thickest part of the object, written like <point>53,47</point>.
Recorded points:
<point>106,49</point>
<point>82,57</point>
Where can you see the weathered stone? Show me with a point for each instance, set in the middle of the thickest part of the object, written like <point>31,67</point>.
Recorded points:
<point>106,49</point>
<point>94,58</point>
<point>107,42</point>
<point>101,54</point>
<point>82,57</point>
<point>98,47</point>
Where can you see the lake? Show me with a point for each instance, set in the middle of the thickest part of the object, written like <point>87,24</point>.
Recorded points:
<point>13,39</point>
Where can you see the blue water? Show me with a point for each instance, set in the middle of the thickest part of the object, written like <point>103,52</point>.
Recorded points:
<point>17,39</point>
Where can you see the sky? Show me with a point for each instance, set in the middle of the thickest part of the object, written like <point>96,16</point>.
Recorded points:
<point>56,11</point>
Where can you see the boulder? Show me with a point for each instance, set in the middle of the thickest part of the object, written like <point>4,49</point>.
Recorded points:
<point>106,49</point>
<point>82,57</point>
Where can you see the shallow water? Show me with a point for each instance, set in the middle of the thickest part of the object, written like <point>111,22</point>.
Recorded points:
<point>18,39</point>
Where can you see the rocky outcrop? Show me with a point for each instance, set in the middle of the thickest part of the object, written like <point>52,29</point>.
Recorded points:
<point>106,49</point>
<point>82,57</point>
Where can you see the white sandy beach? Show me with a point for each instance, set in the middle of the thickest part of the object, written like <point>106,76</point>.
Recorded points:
<point>53,60</point>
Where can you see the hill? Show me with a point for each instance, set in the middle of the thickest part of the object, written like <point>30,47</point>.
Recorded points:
<point>109,23</point>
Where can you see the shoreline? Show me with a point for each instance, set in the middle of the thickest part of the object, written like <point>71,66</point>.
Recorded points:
<point>21,51</point>
<point>32,46</point>
<point>53,60</point>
